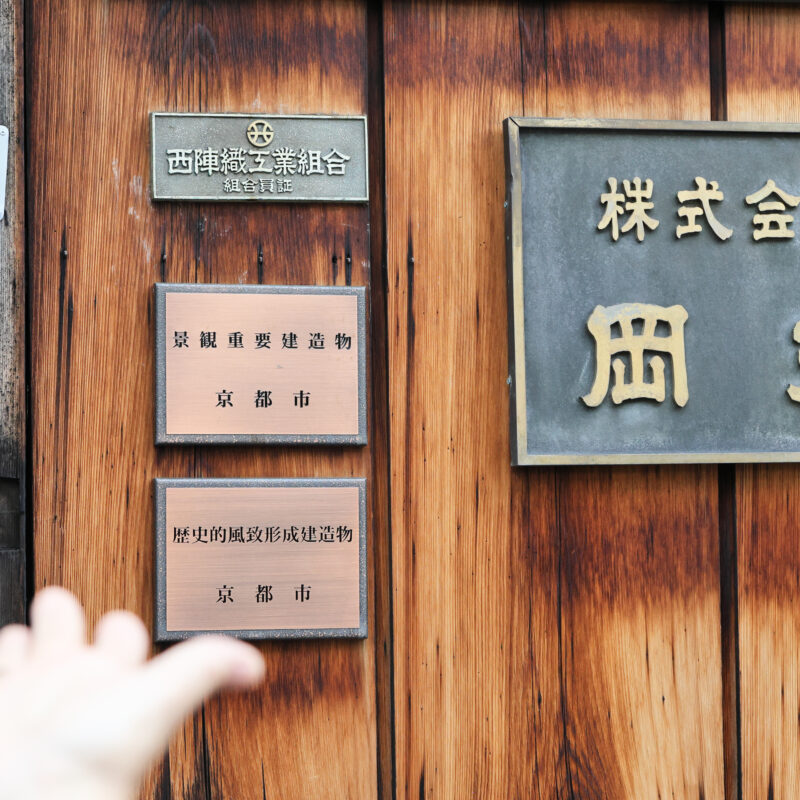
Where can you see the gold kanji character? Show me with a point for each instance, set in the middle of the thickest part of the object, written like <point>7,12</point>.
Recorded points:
<point>706,192</point>
<point>635,343</point>
<point>766,221</point>
<point>638,206</point>
<point>612,200</point>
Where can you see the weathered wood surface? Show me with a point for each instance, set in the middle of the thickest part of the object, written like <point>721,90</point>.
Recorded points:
<point>98,245</point>
<point>12,321</point>
<point>557,632</point>
<point>534,632</point>
<point>379,410</point>
<point>761,76</point>
<point>12,244</point>
<point>465,594</point>
<point>12,586</point>
<point>639,547</point>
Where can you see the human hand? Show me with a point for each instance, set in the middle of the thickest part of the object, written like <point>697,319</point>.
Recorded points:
<point>81,722</point>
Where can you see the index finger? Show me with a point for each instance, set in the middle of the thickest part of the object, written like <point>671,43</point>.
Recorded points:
<point>168,688</point>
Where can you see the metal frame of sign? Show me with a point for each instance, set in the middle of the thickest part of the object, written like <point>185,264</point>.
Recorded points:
<point>161,435</point>
<point>285,198</point>
<point>162,484</point>
<point>520,454</point>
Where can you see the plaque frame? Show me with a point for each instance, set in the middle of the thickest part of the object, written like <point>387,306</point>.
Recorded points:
<point>518,403</point>
<point>160,486</point>
<point>161,197</point>
<point>161,435</point>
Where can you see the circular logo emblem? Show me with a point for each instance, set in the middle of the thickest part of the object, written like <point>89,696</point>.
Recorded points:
<point>259,133</point>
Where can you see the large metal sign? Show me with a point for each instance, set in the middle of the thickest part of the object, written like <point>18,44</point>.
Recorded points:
<point>261,558</point>
<point>654,278</point>
<point>259,157</point>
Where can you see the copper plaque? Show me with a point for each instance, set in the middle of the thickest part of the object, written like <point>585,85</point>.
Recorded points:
<point>261,559</point>
<point>260,364</point>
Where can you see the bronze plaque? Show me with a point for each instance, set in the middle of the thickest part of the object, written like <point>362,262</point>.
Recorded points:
<point>260,364</point>
<point>261,558</point>
<point>259,158</point>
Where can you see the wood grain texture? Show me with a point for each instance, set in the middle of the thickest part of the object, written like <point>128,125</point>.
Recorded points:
<point>378,406</point>
<point>557,632</point>
<point>468,721</point>
<point>12,246</point>
<point>12,322</point>
<point>761,74</point>
<point>98,245</point>
<point>639,557</point>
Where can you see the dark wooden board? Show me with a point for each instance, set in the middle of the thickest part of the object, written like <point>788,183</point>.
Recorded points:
<point>12,586</point>
<point>379,409</point>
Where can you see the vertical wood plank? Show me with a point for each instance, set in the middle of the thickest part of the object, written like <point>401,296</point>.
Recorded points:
<point>12,244</point>
<point>318,706</point>
<point>379,410</point>
<point>557,632</point>
<point>473,562</point>
<point>12,322</point>
<point>98,246</point>
<point>639,559</point>
<point>761,47</point>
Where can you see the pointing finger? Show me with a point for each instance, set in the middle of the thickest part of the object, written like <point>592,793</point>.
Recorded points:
<point>173,684</point>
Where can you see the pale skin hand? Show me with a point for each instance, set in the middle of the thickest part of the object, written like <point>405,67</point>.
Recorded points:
<point>80,722</point>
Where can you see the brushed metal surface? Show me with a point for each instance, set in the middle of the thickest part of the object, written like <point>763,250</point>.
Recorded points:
<point>261,558</point>
<point>210,395</point>
<point>268,158</point>
<point>741,295</point>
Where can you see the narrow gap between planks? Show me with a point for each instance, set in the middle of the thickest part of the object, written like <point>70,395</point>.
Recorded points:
<point>381,474</point>
<point>726,479</point>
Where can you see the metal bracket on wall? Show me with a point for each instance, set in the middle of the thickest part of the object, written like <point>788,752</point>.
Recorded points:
<point>3,168</point>
<point>10,514</point>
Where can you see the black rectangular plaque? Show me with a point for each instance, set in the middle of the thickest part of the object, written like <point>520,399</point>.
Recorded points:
<point>654,291</point>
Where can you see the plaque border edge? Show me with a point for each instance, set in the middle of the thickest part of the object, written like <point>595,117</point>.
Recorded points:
<point>162,437</point>
<point>520,451</point>
<point>162,198</point>
<point>160,632</point>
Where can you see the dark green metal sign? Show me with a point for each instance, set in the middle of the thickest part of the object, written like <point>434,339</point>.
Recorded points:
<point>654,291</point>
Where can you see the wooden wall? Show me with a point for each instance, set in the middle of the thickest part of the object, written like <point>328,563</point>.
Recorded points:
<point>571,645</point>
<point>761,63</point>
<point>97,246</point>
<point>593,634</point>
